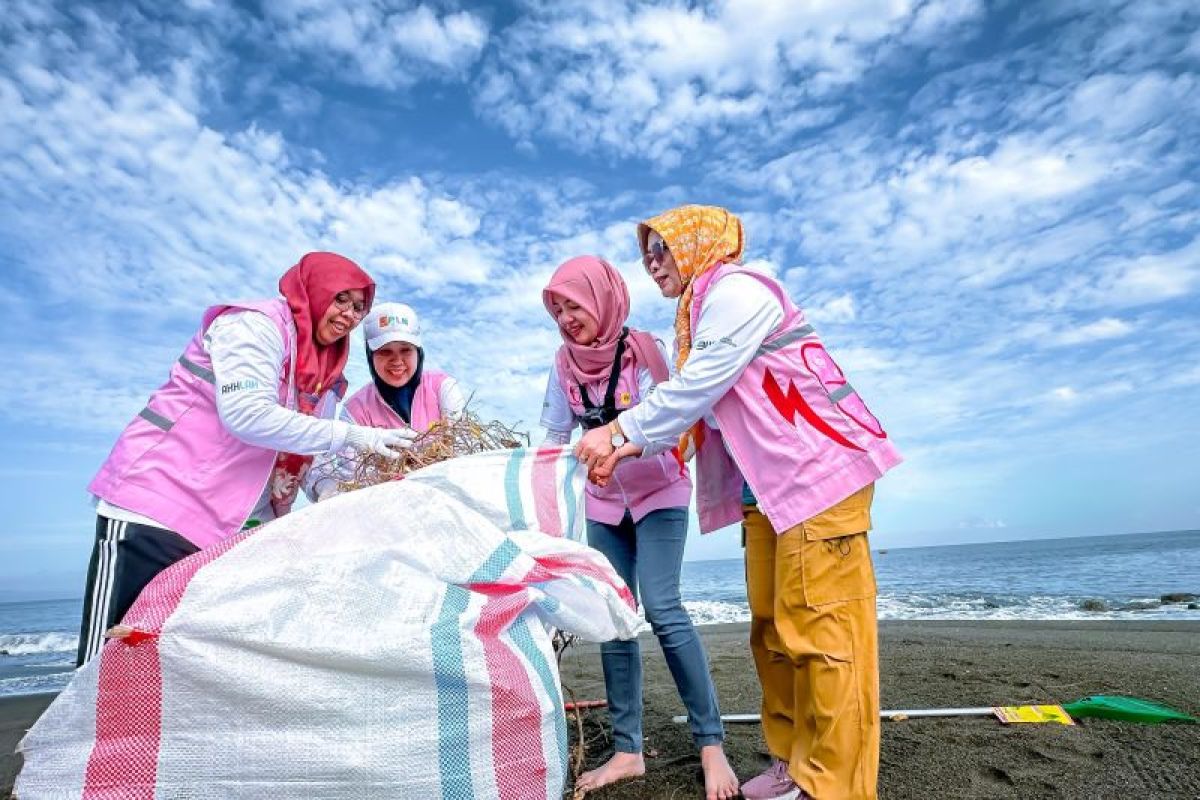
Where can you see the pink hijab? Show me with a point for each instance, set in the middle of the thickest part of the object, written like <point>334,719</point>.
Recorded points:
<point>599,290</point>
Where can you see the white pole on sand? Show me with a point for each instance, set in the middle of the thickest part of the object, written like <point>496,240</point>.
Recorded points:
<point>896,714</point>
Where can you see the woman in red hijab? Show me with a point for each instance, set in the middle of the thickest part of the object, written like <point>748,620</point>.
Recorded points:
<point>225,443</point>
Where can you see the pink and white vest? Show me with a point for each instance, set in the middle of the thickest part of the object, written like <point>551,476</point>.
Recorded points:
<point>640,485</point>
<point>797,431</point>
<point>367,406</point>
<point>176,462</point>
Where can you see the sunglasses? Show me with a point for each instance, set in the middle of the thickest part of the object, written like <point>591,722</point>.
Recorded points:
<point>655,252</point>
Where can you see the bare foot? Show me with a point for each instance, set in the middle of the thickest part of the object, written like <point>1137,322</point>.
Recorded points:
<point>720,782</point>
<point>617,768</point>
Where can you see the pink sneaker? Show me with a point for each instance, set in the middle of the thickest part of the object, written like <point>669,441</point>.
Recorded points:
<point>774,784</point>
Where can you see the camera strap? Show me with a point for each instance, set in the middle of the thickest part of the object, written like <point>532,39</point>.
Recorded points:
<point>610,394</point>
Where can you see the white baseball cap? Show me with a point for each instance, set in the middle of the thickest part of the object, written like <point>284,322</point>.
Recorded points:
<point>391,322</point>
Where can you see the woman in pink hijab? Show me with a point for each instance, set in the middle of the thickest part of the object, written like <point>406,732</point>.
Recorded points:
<point>639,519</point>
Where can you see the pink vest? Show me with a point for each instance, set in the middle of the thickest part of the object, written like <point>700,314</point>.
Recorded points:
<point>176,462</point>
<point>367,406</point>
<point>640,485</point>
<point>798,432</point>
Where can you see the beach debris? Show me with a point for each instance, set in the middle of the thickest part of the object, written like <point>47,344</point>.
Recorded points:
<point>1033,714</point>
<point>1127,709</point>
<point>582,705</point>
<point>129,635</point>
<point>1118,707</point>
<point>444,440</point>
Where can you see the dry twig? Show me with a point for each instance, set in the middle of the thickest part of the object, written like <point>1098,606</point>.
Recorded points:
<point>445,439</point>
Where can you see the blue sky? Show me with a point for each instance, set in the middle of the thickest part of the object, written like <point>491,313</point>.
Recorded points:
<point>990,209</point>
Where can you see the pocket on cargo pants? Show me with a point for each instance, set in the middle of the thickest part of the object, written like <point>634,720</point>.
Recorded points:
<point>827,559</point>
<point>836,568</point>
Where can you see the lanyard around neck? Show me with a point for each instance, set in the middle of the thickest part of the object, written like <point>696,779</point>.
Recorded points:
<point>610,394</point>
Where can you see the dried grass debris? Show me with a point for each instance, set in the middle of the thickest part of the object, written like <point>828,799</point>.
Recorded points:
<point>446,439</point>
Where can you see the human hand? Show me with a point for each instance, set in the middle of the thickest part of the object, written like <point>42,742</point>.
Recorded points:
<point>383,441</point>
<point>602,474</point>
<point>594,447</point>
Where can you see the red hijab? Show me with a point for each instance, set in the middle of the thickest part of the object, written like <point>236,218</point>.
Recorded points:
<point>599,290</point>
<point>309,288</point>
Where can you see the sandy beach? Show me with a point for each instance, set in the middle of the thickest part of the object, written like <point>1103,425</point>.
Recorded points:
<point>926,664</point>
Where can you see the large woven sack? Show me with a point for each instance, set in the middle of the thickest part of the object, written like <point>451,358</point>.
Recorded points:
<point>392,642</point>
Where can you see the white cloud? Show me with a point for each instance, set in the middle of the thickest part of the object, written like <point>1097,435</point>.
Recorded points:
<point>837,309</point>
<point>1141,279</point>
<point>1106,328</point>
<point>384,43</point>
<point>1120,103</point>
<point>1064,394</point>
<point>959,242</point>
<point>654,82</point>
<point>206,214</point>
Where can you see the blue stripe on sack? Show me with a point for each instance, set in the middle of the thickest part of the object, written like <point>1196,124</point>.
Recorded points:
<point>497,563</point>
<point>512,490</point>
<point>454,736</point>
<point>545,600</point>
<point>596,587</point>
<point>588,583</point>
<point>569,495</point>
<point>523,639</point>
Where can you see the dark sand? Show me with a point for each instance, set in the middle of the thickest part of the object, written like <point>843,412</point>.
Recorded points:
<point>926,664</point>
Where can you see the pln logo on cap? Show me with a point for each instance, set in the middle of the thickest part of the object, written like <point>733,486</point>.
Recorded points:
<point>387,319</point>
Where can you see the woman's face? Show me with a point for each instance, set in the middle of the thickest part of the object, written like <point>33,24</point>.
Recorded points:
<point>395,363</point>
<point>660,266</point>
<point>345,312</point>
<point>581,326</point>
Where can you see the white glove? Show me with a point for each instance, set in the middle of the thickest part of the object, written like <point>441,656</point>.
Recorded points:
<point>384,441</point>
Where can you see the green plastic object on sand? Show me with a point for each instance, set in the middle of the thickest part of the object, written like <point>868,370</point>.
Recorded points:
<point>1128,709</point>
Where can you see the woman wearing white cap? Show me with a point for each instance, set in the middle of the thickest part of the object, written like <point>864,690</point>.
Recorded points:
<point>402,393</point>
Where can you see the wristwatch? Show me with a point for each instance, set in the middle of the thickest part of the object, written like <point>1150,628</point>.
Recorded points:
<point>618,438</point>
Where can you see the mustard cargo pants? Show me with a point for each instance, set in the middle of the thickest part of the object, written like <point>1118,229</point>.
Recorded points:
<point>814,638</point>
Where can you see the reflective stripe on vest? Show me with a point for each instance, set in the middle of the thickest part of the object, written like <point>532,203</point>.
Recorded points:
<point>197,370</point>
<point>841,393</point>
<point>156,419</point>
<point>784,340</point>
<point>837,395</point>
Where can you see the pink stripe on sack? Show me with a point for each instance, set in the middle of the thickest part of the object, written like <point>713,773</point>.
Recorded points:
<point>124,759</point>
<point>551,567</point>
<point>517,755</point>
<point>545,490</point>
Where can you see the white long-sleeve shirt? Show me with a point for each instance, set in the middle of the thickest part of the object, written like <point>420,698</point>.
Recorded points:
<point>559,420</point>
<point>247,354</point>
<point>738,314</point>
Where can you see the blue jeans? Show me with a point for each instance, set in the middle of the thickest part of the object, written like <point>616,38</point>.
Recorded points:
<point>648,555</point>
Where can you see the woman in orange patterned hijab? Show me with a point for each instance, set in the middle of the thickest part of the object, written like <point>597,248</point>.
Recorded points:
<point>678,246</point>
<point>694,239</point>
<point>796,466</point>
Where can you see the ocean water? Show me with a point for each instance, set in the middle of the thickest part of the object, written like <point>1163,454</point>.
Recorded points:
<point>37,645</point>
<point>1090,577</point>
<point>1097,577</point>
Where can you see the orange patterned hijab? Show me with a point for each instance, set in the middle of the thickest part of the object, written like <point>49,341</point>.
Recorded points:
<point>699,238</point>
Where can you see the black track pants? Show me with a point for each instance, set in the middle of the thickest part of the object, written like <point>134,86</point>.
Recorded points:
<point>125,558</point>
